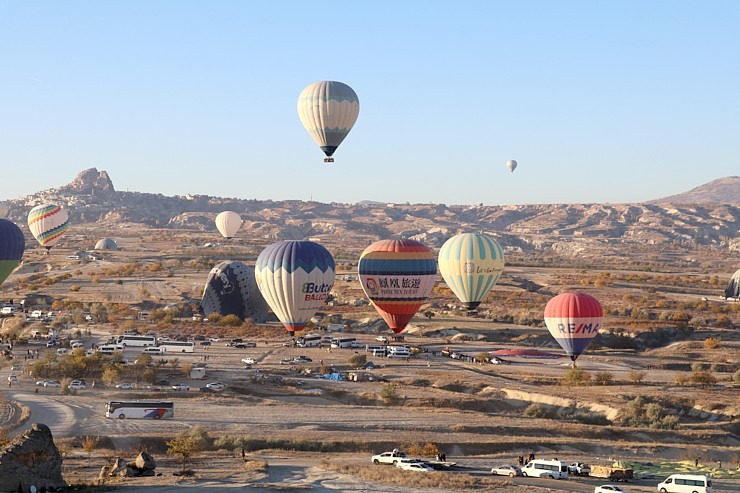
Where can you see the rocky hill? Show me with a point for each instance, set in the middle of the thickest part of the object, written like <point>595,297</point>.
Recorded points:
<point>577,231</point>
<point>721,191</point>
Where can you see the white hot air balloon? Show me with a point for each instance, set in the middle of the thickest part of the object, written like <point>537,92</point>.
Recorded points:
<point>511,164</point>
<point>228,223</point>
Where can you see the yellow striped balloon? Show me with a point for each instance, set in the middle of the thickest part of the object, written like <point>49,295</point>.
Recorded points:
<point>471,264</point>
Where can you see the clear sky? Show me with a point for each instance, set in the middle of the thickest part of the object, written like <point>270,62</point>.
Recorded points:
<point>598,101</point>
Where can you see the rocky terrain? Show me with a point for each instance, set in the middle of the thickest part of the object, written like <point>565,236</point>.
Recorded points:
<point>707,217</point>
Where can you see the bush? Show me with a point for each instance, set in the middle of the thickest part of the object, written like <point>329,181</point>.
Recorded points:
<point>576,376</point>
<point>389,392</point>
<point>536,410</point>
<point>603,378</point>
<point>636,376</point>
<point>357,360</point>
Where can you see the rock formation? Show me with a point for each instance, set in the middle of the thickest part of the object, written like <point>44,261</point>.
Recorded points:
<point>31,459</point>
<point>143,465</point>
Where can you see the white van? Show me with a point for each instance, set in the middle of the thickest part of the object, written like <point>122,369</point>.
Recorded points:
<point>110,348</point>
<point>541,468</point>
<point>152,350</point>
<point>689,483</point>
<point>399,353</point>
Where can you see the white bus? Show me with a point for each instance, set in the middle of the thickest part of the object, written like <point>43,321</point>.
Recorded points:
<point>140,409</point>
<point>310,340</point>
<point>690,483</point>
<point>137,341</point>
<point>177,346</point>
<point>342,342</point>
<point>540,468</point>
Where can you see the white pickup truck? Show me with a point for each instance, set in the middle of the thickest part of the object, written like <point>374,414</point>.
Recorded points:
<point>388,458</point>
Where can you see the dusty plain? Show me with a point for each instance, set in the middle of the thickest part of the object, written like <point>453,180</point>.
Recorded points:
<point>318,434</point>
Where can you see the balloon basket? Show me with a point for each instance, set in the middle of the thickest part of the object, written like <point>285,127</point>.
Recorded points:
<point>328,159</point>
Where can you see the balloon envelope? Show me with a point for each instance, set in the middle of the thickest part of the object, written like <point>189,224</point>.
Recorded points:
<point>106,244</point>
<point>231,289</point>
<point>511,164</point>
<point>12,245</point>
<point>295,278</point>
<point>48,222</point>
<point>328,110</point>
<point>228,223</point>
<point>733,288</point>
<point>397,276</point>
<point>573,319</point>
<point>471,264</point>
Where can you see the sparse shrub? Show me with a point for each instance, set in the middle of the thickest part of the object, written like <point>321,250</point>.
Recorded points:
<point>74,287</point>
<point>389,392</point>
<point>417,449</point>
<point>603,378</point>
<point>635,376</point>
<point>576,376</point>
<point>736,377</point>
<point>357,360</point>
<point>711,343</point>
<point>702,378</point>
<point>697,367</point>
<point>230,320</point>
<point>536,410</point>
<point>681,379</point>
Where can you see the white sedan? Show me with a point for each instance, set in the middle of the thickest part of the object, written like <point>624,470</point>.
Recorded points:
<point>216,386</point>
<point>181,386</point>
<point>609,488</point>
<point>125,385</point>
<point>510,471</point>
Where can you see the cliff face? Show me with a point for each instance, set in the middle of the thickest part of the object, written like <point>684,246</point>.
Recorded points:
<point>570,229</point>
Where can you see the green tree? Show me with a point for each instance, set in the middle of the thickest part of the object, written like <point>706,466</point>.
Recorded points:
<point>357,360</point>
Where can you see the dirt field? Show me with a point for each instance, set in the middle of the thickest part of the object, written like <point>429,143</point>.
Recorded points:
<point>306,427</point>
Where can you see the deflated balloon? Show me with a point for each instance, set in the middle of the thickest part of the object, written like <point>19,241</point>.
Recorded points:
<point>228,223</point>
<point>328,111</point>
<point>511,164</point>
<point>733,287</point>
<point>48,222</point>
<point>573,319</point>
<point>397,276</point>
<point>12,245</point>
<point>471,264</point>
<point>295,278</point>
<point>231,289</point>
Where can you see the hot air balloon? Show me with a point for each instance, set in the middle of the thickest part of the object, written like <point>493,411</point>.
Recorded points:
<point>511,164</point>
<point>231,289</point>
<point>471,264</point>
<point>228,223</point>
<point>295,278</point>
<point>733,287</point>
<point>397,276</point>
<point>106,244</point>
<point>12,245</point>
<point>573,319</point>
<point>328,110</point>
<point>48,222</point>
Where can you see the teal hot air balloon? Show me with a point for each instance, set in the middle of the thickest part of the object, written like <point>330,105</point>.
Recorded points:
<point>471,264</point>
<point>328,111</point>
<point>12,245</point>
<point>295,278</point>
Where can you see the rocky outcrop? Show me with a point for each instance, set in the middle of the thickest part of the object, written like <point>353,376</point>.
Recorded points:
<point>31,459</point>
<point>143,465</point>
<point>91,181</point>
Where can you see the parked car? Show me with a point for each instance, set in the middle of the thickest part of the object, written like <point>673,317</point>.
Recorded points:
<point>205,343</point>
<point>304,359</point>
<point>214,339</point>
<point>609,488</point>
<point>240,345</point>
<point>52,383</point>
<point>15,367</point>
<point>381,339</point>
<point>387,457</point>
<point>76,385</point>
<point>216,386</point>
<point>125,385</point>
<point>13,379</point>
<point>404,461</point>
<point>249,361</point>
<point>510,471</point>
<point>416,466</point>
<point>181,386</point>
<point>579,468</point>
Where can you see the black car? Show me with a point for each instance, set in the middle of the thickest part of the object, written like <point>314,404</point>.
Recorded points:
<point>240,346</point>
<point>205,343</point>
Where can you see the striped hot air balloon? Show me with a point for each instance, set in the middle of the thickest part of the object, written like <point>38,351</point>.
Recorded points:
<point>12,245</point>
<point>471,264</point>
<point>48,222</point>
<point>295,278</point>
<point>573,319</point>
<point>397,276</point>
<point>328,110</point>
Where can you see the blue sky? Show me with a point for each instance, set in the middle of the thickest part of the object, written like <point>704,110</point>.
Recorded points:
<point>598,101</point>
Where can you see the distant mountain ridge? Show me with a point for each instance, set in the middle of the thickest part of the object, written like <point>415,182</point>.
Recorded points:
<point>720,191</point>
<point>575,230</point>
